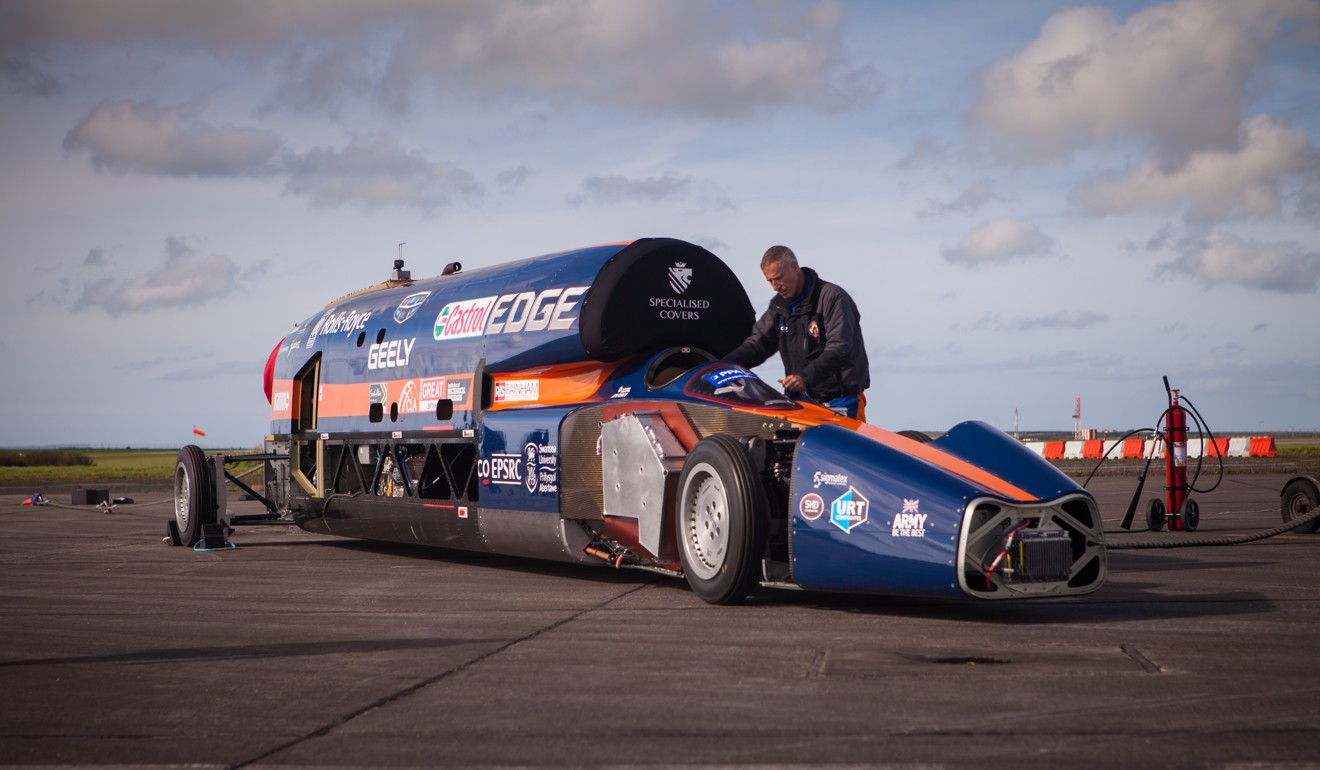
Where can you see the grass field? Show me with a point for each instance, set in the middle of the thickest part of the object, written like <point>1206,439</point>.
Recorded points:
<point>158,464</point>
<point>107,465</point>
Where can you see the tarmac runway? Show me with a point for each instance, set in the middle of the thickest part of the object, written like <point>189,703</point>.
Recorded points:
<point>300,650</point>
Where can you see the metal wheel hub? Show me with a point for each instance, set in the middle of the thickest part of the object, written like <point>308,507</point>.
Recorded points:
<point>182,493</point>
<point>705,521</point>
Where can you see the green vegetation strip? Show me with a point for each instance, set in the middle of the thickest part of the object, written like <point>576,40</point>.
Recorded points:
<point>99,465</point>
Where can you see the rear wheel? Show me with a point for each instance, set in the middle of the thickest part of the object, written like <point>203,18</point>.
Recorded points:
<point>194,501</point>
<point>1301,497</point>
<point>721,520</point>
<point>915,435</point>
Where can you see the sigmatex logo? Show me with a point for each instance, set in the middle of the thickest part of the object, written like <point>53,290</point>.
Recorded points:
<point>849,510</point>
<point>463,319</point>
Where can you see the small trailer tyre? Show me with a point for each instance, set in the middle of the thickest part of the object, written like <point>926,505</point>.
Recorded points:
<point>1301,497</point>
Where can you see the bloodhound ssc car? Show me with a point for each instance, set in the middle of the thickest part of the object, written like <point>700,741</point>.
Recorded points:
<point>574,407</point>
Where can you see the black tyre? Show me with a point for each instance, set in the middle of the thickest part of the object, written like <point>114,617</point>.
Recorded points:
<point>194,500</point>
<point>915,435</point>
<point>720,520</point>
<point>1191,516</point>
<point>1301,497</point>
<point>1155,515</point>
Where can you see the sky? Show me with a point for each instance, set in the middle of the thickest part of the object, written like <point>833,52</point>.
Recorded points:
<point>1030,202</point>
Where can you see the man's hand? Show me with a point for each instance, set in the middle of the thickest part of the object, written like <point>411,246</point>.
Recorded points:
<point>793,382</point>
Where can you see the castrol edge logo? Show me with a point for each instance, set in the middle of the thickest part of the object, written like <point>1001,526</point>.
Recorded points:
<point>528,311</point>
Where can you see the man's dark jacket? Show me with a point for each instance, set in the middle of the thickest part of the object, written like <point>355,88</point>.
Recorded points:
<point>819,338</point>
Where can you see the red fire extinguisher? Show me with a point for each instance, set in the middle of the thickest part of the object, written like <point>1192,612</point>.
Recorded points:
<point>1182,511</point>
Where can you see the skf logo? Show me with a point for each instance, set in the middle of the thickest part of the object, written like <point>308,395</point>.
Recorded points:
<point>911,522</point>
<point>409,306</point>
<point>680,277</point>
<point>849,510</point>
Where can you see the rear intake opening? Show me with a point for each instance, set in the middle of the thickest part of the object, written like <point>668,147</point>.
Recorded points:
<point>1047,549</point>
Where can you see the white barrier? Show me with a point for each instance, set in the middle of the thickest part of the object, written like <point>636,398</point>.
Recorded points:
<point>1072,450</point>
<point>1239,446</point>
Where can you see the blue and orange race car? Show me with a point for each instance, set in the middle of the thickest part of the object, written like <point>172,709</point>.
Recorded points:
<point>574,407</point>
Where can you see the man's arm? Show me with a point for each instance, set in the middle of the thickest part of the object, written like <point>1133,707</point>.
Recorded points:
<point>762,343</point>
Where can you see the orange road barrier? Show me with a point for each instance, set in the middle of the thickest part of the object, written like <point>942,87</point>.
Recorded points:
<point>1132,447</point>
<point>1054,450</point>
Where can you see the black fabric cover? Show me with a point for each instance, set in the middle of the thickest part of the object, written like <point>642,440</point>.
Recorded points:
<point>644,299</point>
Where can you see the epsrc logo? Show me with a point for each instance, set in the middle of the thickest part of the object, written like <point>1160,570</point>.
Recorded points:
<point>552,309</point>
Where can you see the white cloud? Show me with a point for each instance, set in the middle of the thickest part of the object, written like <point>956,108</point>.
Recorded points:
<point>186,279</point>
<point>1063,319</point>
<point>705,58</point>
<point>1002,240</point>
<point>617,189</point>
<point>969,201</point>
<point>375,173</point>
<point>1224,258</point>
<point>1215,184</point>
<point>125,136</point>
<point>1175,74</point>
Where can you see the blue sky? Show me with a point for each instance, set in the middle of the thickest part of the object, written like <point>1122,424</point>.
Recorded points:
<point>1029,201</point>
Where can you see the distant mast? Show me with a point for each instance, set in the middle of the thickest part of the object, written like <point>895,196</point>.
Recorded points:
<point>1077,417</point>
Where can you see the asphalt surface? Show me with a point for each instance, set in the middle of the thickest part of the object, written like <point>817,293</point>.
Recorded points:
<point>301,650</point>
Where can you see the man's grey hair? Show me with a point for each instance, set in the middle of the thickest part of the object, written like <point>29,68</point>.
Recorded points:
<point>778,255</point>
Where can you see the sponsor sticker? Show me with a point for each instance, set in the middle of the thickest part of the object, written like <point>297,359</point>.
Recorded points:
<point>430,392</point>
<point>554,309</point>
<point>388,355</point>
<point>832,479</point>
<point>812,506</point>
<point>849,510</point>
<point>911,522</point>
<point>501,468</point>
<point>348,322</point>
<point>680,277</point>
<point>463,319</point>
<point>462,512</point>
<point>408,398</point>
<point>512,391</point>
<point>380,392</point>
<point>409,306</point>
<point>721,377</point>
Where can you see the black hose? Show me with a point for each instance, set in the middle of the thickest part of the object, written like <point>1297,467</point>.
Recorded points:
<point>1203,427</point>
<point>1213,541</point>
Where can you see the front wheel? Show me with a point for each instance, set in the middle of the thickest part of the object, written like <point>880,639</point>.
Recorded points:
<point>194,500</point>
<point>1301,497</point>
<point>720,520</point>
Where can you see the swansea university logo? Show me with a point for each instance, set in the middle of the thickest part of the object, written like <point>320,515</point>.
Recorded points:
<point>680,277</point>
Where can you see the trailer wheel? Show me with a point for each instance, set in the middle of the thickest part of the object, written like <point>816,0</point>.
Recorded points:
<point>194,501</point>
<point>1155,515</point>
<point>1191,514</point>
<point>1300,497</point>
<point>721,520</point>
